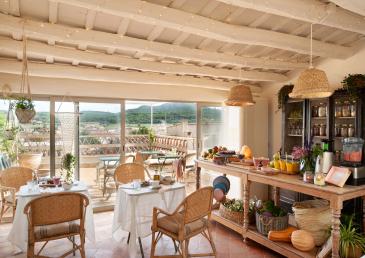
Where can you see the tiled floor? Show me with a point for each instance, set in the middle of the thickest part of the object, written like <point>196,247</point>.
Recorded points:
<point>228,243</point>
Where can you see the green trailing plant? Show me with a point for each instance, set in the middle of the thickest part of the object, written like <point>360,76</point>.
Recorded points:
<point>354,85</point>
<point>283,95</point>
<point>350,239</point>
<point>24,104</point>
<point>68,163</point>
<point>151,137</point>
<point>269,209</point>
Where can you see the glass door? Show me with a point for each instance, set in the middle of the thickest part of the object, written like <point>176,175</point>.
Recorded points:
<point>100,148</point>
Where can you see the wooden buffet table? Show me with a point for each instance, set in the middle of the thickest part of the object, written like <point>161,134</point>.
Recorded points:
<point>335,195</point>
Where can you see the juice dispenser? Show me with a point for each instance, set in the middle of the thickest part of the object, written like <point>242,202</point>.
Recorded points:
<point>352,151</point>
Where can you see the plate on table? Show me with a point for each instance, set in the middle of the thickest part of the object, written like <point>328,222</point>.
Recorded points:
<point>155,187</point>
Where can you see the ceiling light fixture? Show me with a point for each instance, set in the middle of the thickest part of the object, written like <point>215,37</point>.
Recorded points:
<point>312,83</point>
<point>240,95</point>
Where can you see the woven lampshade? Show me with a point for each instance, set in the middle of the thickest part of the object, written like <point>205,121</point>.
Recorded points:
<point>239,95</point>
<point>312,83</point>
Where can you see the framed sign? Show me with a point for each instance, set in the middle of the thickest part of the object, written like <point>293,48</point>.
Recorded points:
<point>338,176</point>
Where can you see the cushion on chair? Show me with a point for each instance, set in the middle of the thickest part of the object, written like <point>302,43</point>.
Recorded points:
<point>42,232</point>
<point>171,224</point>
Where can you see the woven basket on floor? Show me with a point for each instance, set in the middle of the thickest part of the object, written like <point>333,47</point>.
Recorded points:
<point>315,217</point>
<point>264,224</point>
<point>236,216</point>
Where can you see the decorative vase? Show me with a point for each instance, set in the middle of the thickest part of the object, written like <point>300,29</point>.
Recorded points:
<point>25,116</point>
<point>30,160</point>
<point>66,186</point>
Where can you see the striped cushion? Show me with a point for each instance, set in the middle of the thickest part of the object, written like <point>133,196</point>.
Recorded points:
<point>42,232</point>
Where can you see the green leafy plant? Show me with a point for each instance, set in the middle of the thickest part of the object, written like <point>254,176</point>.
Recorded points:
<point>271,210</point>
<point>24,104</point>
<point>283,95</point>
<point>354,85</point>
<point>233,205</point>
<point>351,239</point>
<point>68,163</point>
<point>151,137</point>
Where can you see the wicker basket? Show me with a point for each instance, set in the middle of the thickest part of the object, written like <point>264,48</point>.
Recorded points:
<point>265,224</point>
<point>24,116</point>
<point>235,216</point>
<point>314,216</point>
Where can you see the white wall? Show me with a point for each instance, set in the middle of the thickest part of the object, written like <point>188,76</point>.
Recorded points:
<point>336,70</point>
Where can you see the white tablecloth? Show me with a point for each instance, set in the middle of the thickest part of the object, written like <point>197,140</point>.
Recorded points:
<point>134,209</point>
<point>18,235</point>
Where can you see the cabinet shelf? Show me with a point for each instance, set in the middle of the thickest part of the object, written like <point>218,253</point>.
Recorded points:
<point>320,137</point>
<point>294,118</point>
<point>295,135</point>
<point>319,117</point>
<point>345,117</point>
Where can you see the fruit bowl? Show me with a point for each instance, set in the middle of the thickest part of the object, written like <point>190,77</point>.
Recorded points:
<point>260,162</point>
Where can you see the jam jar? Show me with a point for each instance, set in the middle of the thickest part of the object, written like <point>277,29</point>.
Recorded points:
<point>338,109</point>
<point>322,130</point>
<point>314,111</point>
<point>353,108</point>
<point>337,130</point>
<point>351,130</point>
<point>322,110</point>
<point>344,130</point>
<point>346,109</point>
<point>315,130</point>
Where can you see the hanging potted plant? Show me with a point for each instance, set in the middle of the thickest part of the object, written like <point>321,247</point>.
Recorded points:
<point>68,166</point>
<point>283,95</point>
<point>24,110</point>
<point>354,86</point>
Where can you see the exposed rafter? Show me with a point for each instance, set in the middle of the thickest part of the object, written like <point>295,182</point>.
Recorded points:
<point>90,19</point>
<point>356,6</point>
<point>312,11</point>
<point>92,74</point>
<point>175,19</point>
<point>53,11</point>
<point>14,8</point>
<point>82,38</point>
<point>73,56</point>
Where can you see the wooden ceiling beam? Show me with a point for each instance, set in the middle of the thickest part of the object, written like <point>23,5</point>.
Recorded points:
<point>356,6</point>
<point>146,12</point>
<point>90,19</point>
<point>82,38</point>
<point>92,74</point>
<point>14,8</point>
<point>312,11</point>
<point>73,56</point>
<point>53,11</point>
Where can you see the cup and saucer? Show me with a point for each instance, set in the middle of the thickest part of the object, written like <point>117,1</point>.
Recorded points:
<point>155,184</point>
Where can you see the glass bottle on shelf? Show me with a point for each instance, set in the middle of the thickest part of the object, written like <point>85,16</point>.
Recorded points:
<point>346,109</point>
<point>344,130</point>
<point>338,109</point>
<point>314,111</point>
<point>337,130</point>
<point>351,130</point>
<point>353,109</point>
<point>315,130</point>
<point>322,130</point>
<point>322,110</point>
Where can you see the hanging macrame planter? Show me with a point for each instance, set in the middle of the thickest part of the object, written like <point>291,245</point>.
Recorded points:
<point>24,107</point>
<point>10,129</point>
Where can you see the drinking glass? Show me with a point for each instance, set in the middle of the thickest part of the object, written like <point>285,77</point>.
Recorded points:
<point>137,184</point>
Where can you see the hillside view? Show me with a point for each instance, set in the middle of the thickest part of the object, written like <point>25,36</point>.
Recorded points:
<point>171,113</point>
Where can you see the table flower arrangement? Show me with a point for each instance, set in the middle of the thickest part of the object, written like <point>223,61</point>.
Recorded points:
<point>307,156</point>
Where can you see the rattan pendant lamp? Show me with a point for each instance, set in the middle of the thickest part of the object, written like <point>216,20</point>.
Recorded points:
<point>240,96</point>
<point>312,83</point>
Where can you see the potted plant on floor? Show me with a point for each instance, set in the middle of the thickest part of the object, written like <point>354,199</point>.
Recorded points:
<point>352,243</point>
<point>24,110</point>
<point>68,166</point>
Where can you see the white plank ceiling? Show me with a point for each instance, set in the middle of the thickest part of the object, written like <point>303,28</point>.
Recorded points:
<point>207,43</point>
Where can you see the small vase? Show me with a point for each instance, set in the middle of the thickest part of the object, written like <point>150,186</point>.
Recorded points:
<point>67,186</point>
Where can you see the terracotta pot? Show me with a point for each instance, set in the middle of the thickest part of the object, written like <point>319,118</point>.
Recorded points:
<point>354,253</point>
<point>30,160</point>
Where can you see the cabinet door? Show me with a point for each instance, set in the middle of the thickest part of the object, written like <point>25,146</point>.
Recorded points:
<point>293,132</point>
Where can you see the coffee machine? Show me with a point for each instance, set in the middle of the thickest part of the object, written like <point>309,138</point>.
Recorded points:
<point>352,158</point>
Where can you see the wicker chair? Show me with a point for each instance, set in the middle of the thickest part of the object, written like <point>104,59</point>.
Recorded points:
<point>11,179</point>
<point>56,216</point>
<point>189,219</point>
<point>125,173</point>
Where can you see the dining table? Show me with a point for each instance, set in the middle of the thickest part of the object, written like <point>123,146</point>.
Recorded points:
<point>133,210</point>
<point>18,235</point>
<point>160,156</point>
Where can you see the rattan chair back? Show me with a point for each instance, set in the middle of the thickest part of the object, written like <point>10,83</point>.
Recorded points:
<point>139,158</point>
<point>127,172</point>
<point>15,177</point>
<point>198,204</point>
<point>56,208</point>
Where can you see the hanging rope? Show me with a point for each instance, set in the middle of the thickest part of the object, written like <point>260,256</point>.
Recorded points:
<point>311,48</point>
<point>25,73</point>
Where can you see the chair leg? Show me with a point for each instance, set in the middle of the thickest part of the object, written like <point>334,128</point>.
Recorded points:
<point>2,211</point>
<point>14,207</point>
<point>153,245</point>
<point>129,237</point>
<point>140,246</point>
<point>82,245</point>
<point>183,249</point>
<point>176,247</point>
<point>30,250</point>
<point>73,245</point>
<point>211,241</point>
<point>187,248</point>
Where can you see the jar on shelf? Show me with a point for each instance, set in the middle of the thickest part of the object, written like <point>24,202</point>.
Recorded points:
<point>338,109</point>
<point>346,109</point>
<point>315,130</point>
<point>337,130</point>
<point>353,108</point>
<point>322,130</point>
<point>351,130</point>
<point>314,111</point>
<point>322,110</point>
<point>344,131</point>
